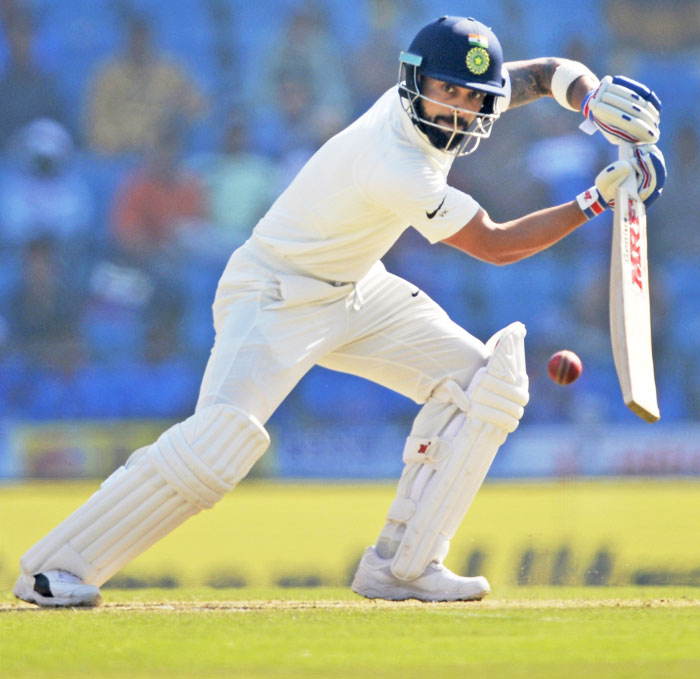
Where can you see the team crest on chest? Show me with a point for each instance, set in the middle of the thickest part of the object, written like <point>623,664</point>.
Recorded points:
<point>478,60</point>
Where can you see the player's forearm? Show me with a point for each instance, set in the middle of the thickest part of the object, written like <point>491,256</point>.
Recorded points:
<point>508,242</point>
<point>532,80</point>
<point>528,235</point>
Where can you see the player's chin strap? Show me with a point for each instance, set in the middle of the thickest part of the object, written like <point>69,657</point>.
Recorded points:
<point>453,442</point>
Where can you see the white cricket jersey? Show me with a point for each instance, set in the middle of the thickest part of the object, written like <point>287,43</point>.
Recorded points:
<point>358,193</point>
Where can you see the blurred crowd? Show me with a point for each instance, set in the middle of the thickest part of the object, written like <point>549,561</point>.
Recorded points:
<point>140,141</point>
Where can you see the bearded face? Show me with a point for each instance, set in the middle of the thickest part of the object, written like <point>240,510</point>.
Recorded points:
<point>443,139</point>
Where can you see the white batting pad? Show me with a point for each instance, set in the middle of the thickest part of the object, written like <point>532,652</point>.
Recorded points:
<point>451,447</point>
<point>189,468</point>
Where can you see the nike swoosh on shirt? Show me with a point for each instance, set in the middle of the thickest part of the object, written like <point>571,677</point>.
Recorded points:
<point>430,215</point>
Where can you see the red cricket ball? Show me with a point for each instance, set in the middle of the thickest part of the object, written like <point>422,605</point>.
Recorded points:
<point>564,367</point>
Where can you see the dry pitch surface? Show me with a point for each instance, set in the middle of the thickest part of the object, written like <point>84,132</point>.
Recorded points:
<point>488,604</point>
<point>579,633</point>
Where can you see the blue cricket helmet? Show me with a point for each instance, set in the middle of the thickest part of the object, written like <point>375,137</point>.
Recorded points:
<point>461,51</point>
<point>465,53</point>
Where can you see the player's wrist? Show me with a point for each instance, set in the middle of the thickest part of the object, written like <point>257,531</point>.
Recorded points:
<point>565,75</point>
<point>592,203</point>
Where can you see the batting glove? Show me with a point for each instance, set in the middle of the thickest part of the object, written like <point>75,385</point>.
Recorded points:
<point>650,171</point>
<point>623,110</point>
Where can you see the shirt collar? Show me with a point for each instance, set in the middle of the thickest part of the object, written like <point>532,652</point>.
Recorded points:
<point>444,160</point>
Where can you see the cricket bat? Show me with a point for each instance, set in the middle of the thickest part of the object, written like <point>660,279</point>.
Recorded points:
<point>630,316</point>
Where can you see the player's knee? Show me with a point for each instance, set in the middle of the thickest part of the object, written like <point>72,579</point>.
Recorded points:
<point>497,391</point>
<point>495,401</point>
<point>207,424</point>
<point>209,453</point>
<point>227,438</point>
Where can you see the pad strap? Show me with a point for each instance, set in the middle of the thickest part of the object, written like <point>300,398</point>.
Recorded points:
<point>425,451</point>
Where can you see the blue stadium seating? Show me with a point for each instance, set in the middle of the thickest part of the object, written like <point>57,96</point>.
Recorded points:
<point>330,395</point>
<point>114,335</point>
<point>682,280</point>
<point>674,82</point>
<point>163,390</point>
<point>200,278</point>
<point>76,36</point>
<point>10,271</point>
<point>104,174</point>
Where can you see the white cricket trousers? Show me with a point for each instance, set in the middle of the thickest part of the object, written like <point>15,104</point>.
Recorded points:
<point>273,325</point>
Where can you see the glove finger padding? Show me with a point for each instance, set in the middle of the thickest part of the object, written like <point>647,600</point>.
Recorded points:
<point>643,91</point>
<point>651,172</point>
<point>650,175</point>
<point>630,103</point>
<point>610,178</point>
<point>612,112</point>
<point>624,110</point>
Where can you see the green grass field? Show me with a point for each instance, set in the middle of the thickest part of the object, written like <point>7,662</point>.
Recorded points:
<point>268,537</point>
<point>326,632</point>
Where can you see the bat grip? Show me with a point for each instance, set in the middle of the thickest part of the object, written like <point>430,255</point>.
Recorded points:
<point>626,152</point>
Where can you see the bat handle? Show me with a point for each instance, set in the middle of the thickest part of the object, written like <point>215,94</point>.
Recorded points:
<point>626,152</point>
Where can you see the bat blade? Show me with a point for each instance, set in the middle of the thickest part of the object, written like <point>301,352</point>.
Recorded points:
<point>630,313</point>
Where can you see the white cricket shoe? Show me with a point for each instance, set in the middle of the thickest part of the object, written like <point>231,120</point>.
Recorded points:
<point>56,588</point>
<point>375,580</point>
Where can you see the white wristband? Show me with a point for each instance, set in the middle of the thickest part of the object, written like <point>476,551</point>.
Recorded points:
<point>565,74</point>
<point>591,203</point>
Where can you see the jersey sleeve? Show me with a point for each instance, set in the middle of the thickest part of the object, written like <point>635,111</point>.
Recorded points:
<point>441,214</point>
<point>420,195</point>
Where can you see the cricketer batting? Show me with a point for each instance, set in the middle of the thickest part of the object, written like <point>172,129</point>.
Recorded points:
<point>308,288</point>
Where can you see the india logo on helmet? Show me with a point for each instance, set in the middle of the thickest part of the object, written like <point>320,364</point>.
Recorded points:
<point>478,60</point>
